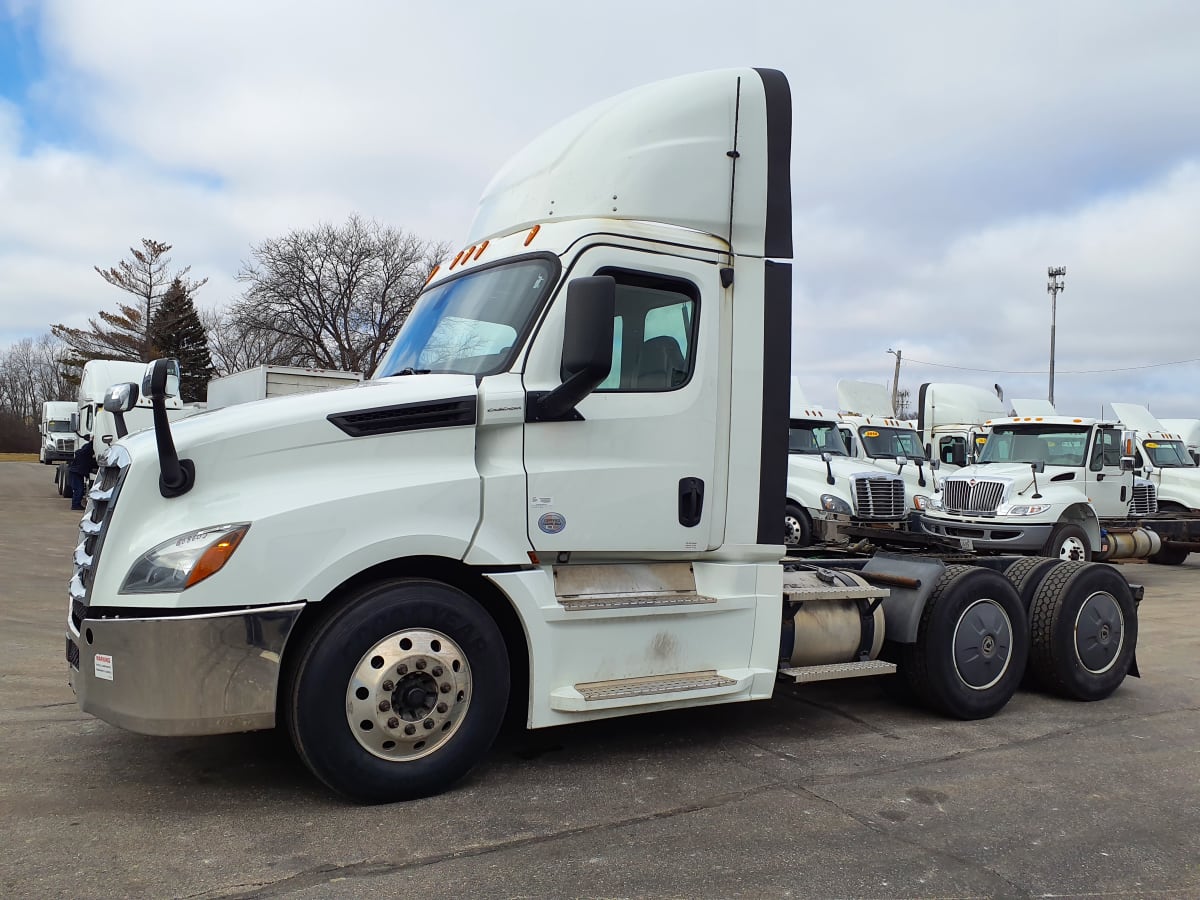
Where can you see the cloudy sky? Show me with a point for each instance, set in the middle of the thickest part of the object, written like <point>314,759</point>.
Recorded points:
<point>944,155</point>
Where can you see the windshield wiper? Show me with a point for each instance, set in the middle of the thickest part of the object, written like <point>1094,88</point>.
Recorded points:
<point>411,371</point>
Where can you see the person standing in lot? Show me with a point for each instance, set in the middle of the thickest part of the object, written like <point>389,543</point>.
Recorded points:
<point>83,463</point>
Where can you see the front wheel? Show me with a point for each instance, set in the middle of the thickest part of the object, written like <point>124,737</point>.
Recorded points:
<point>1069,543</point>
<point>399,693</point>
<point>797,526</point>
<point>972,644</point>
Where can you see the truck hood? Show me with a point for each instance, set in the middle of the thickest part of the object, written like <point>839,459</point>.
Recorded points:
<point>1180,486</point>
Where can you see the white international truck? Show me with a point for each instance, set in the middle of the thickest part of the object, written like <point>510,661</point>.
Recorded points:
<point>826,489</point>
<point>264,382</point>
<point>561,489</point>
<point>57,437</point>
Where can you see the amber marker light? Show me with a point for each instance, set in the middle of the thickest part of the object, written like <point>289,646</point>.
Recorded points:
<point>482,247</point>
<point>215,557</point>
<point>532,234</point>
<point>431,274</point>
<point>457,257</point>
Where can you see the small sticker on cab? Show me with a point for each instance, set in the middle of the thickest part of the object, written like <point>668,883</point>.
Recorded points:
<point>104,666</point>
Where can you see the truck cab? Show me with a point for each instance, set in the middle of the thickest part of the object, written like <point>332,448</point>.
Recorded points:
<point>873,435</point>
<point>828,488</point>
<point>951,421</point>
<point>57,437</point>
<point>1162,456</point>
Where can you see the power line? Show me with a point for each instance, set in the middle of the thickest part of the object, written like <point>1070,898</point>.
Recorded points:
<point>1178,362</point>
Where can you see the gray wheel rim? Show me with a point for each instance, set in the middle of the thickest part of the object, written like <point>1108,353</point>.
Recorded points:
<point>982,644</point>
<point>408,695</point>
<point>1072,549</point>
<point>792,531</point>
<point>1099,632</point>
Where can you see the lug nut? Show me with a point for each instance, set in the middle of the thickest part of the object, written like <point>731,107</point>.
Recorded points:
<point>441,707</point>
<point>402,669</point>
<point>410,729</point>
<point>421,664</point>
<point>436,671</point>
<point>393,722</point>
<point>388,686</point>
<point>445,688</point>
<point>428,723</point>
<point>384,705</point>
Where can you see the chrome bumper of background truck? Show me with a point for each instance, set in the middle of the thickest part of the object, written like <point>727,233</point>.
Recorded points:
<point>213,673</point>
<point>1003,535</point>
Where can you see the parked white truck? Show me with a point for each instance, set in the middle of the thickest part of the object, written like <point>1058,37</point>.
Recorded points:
<point>562,488</point>
<point>264,382</point>
<point>873,435</point>
<point>1188,431</point>
<point>826,489</point>
<point>951,421</point>
<point>57,439</point>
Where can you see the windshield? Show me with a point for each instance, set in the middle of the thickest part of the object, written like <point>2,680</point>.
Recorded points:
<point>1168,455</point>
<point>59,426</point>
<point>1055,445</point>
<point>471,325</point>
<point>814,438</point>
<point>880,442</point>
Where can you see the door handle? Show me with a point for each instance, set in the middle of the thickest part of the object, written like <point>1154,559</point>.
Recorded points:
<point>691,501</point>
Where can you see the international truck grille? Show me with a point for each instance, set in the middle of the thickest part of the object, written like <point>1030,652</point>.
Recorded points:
<point>101,500</point>
<point>971,496</point>
<point>1144,501</point>
<point>879,497</point>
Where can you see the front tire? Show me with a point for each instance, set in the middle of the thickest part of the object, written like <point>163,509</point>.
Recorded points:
<point>797,526</point>
<point>399,693</point>
<point>972,644</point>
<point>1069,543</point>
<point>1083,625</point>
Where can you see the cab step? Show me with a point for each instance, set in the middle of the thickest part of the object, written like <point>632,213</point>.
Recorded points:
<point>833,671</point>
<point>648,689</point>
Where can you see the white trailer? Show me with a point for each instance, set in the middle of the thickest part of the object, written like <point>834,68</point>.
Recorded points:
<point>264,382</point>
<point>561,490</point>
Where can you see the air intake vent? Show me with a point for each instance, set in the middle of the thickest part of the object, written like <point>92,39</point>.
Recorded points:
<point>407,417</point>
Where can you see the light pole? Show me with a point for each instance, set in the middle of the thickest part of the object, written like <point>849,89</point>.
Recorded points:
<point>896,382</point>
<point>1052,288</point>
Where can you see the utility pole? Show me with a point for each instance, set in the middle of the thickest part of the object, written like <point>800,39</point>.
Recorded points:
<point>896,382</point>
<point>1052,288</point>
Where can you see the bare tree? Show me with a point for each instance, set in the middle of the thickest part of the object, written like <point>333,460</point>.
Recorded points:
<point>125,334</point>
<point>234,347</point>
<point>32,371</point>
<point>335,295</point>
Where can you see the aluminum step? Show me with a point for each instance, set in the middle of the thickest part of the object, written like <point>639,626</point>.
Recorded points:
<point>654,684</point>
<point>632,601</point>
<point>805,590</point>
<point>804,674</point>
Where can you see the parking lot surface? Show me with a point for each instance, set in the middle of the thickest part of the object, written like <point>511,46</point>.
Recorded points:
<point>828,790</point>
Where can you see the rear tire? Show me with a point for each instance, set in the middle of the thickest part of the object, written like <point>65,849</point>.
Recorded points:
<point>1170,556</point>
<point>972,644</point>
<point>797,526</point>
<point>399,692</point>
<point>1084,628</point>
<point>1027,574</point>
<point>1069,543</point>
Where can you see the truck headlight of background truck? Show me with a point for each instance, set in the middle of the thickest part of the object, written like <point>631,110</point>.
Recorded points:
<point>835,504</point>
<point>185,560</point>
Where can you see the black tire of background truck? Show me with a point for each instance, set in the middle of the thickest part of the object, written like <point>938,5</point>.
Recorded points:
<point>319,690</point>
<point>64,481</point>
<point>972,644</point>
<point>1061,546</point>
<point>1027,573</point>
<point>1083,631</point>
<point>797,526</point>
<point>1170,555</point>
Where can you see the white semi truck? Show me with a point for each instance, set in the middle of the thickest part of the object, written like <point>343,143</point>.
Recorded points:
<point>826,489</point>
<point>264,382</point>
<point>1188,431</point>
<point>57,439</point>
<point>873,435</point>
<point>561,489</point>
<point>951,421</point>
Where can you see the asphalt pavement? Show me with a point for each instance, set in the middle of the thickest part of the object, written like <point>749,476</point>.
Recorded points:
<point>827,790</point>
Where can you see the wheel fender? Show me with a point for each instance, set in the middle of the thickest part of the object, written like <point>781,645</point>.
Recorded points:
<point>1084,516</point>
<point>903,607</point>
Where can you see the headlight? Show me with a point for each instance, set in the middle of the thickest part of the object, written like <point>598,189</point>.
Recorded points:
<point>921,502</point>
<point>834,504</point>
<point>184,561</point>
<point>1027,510</point>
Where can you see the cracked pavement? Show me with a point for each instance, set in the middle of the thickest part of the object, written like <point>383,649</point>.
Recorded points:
<point>826,790</point>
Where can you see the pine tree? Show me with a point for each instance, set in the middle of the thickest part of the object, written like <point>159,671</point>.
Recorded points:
<point>176,332</point>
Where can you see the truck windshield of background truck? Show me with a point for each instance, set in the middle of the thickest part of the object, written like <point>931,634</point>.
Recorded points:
<point>472,325</point>
<point>1055,445</point>
<point>881,442</point>
<point>63,426</point>
<point>1167,455</point>
<point>814,438</point>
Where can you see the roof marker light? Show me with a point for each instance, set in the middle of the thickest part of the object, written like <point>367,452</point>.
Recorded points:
<point>457,257</point>
<point>482,247</point>
<point>532,234</point>
<point>431,274</point>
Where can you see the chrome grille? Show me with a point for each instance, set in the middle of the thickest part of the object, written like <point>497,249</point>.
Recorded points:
<point>101,500</point>
<point>972,496</point>
<point>879,496</point>
<point>1144,501</point>
<point>63,444</point>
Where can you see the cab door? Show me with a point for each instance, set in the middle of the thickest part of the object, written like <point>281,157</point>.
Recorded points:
<point>635,471</point>
<point>1107,486</point>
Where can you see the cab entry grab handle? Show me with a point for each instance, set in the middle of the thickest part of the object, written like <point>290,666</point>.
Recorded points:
<point>691,501</point>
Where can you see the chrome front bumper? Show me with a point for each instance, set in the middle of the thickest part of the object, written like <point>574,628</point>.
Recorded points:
<point>213,673</point>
